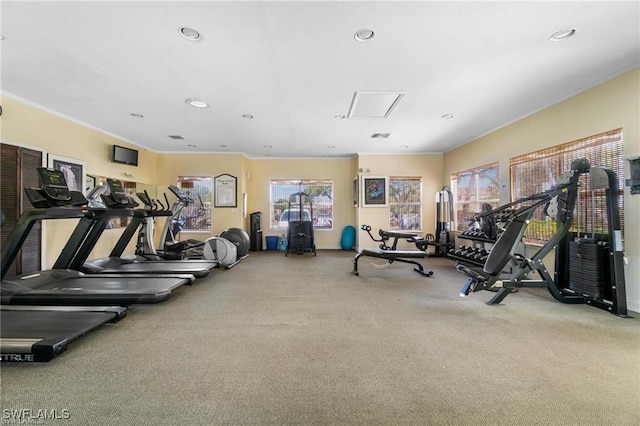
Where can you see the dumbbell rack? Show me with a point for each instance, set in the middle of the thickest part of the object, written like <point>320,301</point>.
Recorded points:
<point>482,238</point>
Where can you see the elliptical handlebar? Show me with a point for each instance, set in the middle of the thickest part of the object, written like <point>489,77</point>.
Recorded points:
<point>182,197</point>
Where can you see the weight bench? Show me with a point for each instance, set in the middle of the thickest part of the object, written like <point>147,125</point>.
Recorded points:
<point>390,253</point>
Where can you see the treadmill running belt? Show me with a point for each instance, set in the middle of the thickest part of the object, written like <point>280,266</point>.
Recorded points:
<point>199,270</point>
<point>63,287</point>
<point>34,336</point>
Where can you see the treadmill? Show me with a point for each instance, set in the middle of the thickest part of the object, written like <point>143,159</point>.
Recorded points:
<point>69,287</point>
<point>41,333</point>
<point>119,205</point>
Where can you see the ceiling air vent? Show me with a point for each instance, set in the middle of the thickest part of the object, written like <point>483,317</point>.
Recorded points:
<point>373,104</point>
<point>380,135</point>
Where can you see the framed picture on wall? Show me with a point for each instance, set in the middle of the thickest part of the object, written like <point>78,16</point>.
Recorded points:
<point>374,191</point>
<point>73,171</point>
<point>226,187</point>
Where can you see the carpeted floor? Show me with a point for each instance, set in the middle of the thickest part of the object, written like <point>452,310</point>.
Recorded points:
<point>300,340</point>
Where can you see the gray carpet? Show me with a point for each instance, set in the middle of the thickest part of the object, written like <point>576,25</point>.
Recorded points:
<point>300,340</point>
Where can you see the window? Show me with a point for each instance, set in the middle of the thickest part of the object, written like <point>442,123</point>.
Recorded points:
<point>471,189</point>
<point>321,197</point>
<point>536,172</point>
<point>405,203</point>
<point>196,217</point>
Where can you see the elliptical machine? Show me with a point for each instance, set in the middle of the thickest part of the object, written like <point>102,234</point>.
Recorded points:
<point>228,249</point>
<point>169,245</point>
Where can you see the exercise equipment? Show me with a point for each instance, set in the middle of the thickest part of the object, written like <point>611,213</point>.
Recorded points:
<point>390,253</point>
<point>41,333</point>
<point>558,203</point>
<point>216,249</point>
<point>191,248</point>
<point>442,241</point>
<point>68,287</point>
<point>120,205</point>
<point>38,334</point>
<point>231,247</point>
<point>300,237</point>
<point>240,239</point>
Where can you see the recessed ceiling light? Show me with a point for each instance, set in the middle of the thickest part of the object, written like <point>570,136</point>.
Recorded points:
<point>247,116</point>
<point>447,116</point>
<point>176,137</point>
<point>340,116</point>
<point>197,103</point>
<point>223,146</point>
<point>136,115</point>
<point>268,146</point>
<point>380,135</point>
<point>189,33</point>
<point>364,34</point>
<point>331,146</point>
<point>562,34</point>
<point>191,145</point>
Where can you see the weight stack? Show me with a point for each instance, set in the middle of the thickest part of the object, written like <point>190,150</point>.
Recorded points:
<point>589,268</point>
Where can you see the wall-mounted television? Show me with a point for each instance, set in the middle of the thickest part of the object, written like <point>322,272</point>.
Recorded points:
<point>125,155</point>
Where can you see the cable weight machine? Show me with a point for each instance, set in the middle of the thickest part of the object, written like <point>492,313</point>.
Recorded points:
<point>442,241</point>
<point>300,238</point>
<point>567,285</point>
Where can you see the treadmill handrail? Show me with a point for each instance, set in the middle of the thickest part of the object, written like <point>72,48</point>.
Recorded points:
<point>25,223</point>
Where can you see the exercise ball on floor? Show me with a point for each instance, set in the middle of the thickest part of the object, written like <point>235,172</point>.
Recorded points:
<point>348,240</point>
<point>239,238</point>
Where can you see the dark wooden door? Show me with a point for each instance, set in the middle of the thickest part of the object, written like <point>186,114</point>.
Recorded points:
<point>18,167</point>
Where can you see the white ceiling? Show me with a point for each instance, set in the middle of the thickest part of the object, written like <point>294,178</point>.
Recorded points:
<point>294,66</point>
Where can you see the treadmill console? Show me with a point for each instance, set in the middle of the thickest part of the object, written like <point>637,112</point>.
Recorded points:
<point>117,192</point>
<point>54,184</point>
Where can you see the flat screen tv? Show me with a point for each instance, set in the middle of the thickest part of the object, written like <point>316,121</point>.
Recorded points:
<point>125,155</point>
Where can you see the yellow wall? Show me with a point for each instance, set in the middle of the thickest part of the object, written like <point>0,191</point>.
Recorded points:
<point>428,167</point>
<point>171,165</point>
<point>339,170</point>
<point>614,104</point>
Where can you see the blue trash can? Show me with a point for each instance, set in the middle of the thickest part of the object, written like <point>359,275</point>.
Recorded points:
<point>272,243</point>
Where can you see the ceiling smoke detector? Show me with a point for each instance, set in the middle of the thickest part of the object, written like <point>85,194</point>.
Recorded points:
<point>189,33</point>
<point>197,103</point>
<point>364,34</point>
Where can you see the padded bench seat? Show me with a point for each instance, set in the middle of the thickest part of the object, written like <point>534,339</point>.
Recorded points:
<point>394,256</point>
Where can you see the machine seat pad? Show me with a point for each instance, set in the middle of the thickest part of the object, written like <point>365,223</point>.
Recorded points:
<point>476,274</point>
<point>394,254</point>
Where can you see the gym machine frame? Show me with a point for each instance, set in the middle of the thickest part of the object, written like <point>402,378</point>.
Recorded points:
<point>390,252</point>
<point>559,202</point>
